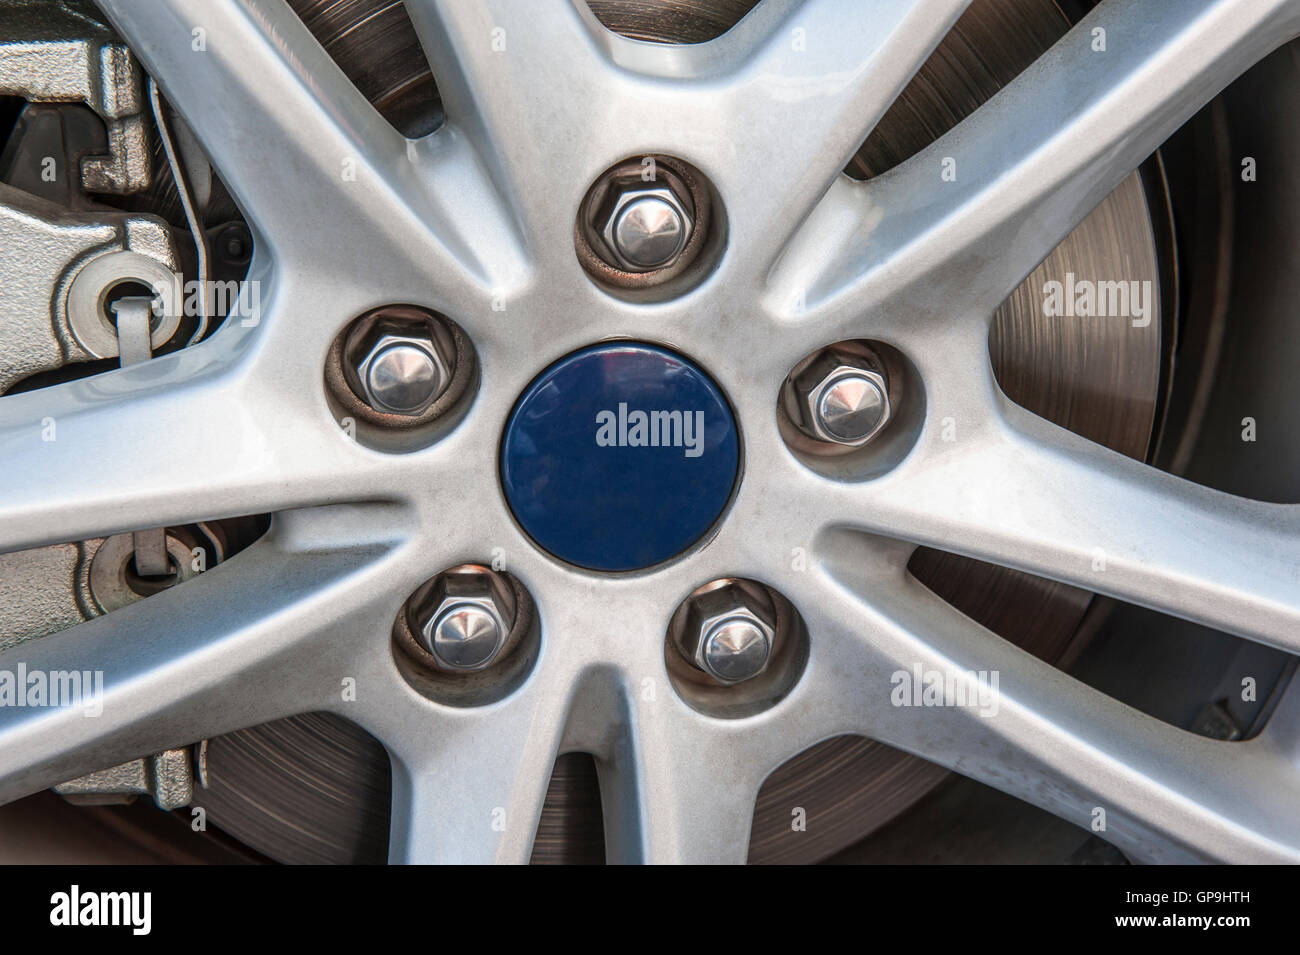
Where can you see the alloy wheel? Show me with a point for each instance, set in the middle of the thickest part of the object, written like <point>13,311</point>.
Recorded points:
<point>476,222</point>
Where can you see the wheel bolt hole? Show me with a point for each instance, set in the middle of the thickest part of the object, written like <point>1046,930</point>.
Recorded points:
<point>126,288</point>
<point>148,585</point>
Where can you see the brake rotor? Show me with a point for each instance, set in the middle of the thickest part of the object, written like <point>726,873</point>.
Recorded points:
<point>315,789</point>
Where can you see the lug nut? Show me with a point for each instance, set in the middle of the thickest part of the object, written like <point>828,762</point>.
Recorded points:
<point>399,362</point>
<point>401,377</point>
<point>852,407</point>
<point>469,619</point>
<point>729,632</point>
<point>639,225</point>
<point>465,636</point>
<point>735,649</point>
<point>647,228</point>
<point>843,397</point>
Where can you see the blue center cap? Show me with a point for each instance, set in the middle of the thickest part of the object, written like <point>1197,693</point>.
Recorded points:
<point>619,456</point>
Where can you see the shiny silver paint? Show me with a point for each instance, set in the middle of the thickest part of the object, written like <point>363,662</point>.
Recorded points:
<point>476,213</point>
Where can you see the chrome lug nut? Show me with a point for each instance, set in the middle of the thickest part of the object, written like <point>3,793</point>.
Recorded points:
<point>730,632</point>
<point>646,225</point>
<point>843,397</point>
<point>399,362</point>
<point>401,376</point>
<point>465,636</point>
<point>469,620</point>
<point>735,649</point>
<point>852,407</point>
<point>648,230</point>
<point>646,221</point>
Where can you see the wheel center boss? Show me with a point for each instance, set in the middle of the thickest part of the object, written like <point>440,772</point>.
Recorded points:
<point>620,456</point>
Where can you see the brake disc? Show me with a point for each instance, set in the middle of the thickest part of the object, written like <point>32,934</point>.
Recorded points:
<point>315,789</point>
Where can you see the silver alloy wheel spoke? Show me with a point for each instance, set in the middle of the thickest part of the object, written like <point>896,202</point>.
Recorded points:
<point>1014,489</point>
<point>814,76</point>
<point>276,115</point>
<point>1168,795</point>
<point>508,74</point>
<point>484,208</point>
<point>472,787</point>
<point>1019,491</point>
<point>667,802</point>
<point>88,457</point>
<point>1030,164</point>
<point>221,653</point>
<point>172,441</point>
<point>317,170</point>
<point>794,108</point>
